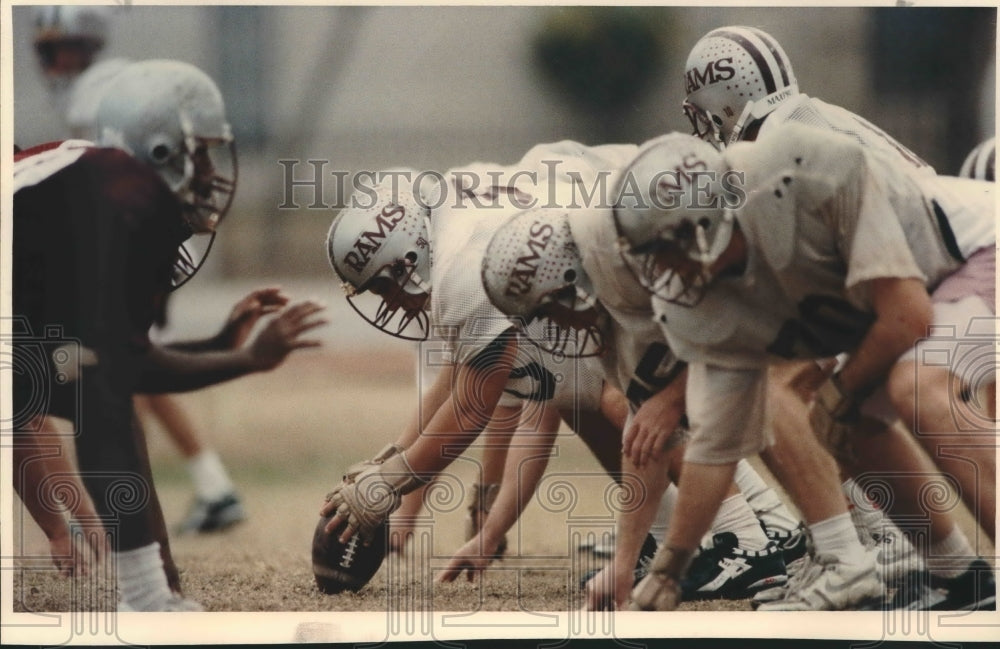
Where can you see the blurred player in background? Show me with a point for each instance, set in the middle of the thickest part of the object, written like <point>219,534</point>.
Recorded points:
<point>97,237</point>
<point>68,41</point>
<point>813,249</point>
<point>980,164</point>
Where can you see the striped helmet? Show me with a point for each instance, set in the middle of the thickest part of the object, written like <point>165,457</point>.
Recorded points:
<point>980,162</point>
<point>733,77</point>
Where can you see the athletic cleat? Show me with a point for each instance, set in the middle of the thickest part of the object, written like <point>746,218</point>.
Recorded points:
<point>794,545</point>
<point>725,571</point>
<point>896,556</point>
<point>213,516</point>
<point>804,567</point>
<point>973,590</point>
<point>641,567</point>
<point>830,585</point>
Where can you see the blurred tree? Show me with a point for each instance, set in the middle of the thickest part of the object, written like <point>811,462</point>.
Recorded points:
<point>602,59</point>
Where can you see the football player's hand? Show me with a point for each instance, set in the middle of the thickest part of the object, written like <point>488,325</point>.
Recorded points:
<point>609,589</point>
<point>472,558</point>
<point>247,312</point>
<point>656,592</point>
<point>77,552</point>
<point>362,505</point>
<point>652,427</point>
<point>283,334</point>
<point>367,501</point>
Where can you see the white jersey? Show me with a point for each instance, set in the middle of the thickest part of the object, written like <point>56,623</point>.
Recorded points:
<point>886,155</point>
<point>819,222</point>
<point>478,199</point>
<point>637,359</point>
<point>804,109</point>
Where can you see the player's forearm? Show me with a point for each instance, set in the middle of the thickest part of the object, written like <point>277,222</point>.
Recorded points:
<point>526,462</point>
<point>172,370</point>
<point>903,314</point>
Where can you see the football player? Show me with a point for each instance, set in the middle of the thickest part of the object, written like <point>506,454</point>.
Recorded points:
<point>551,264</point>
<point>981,161</point>
<point>451,232</point>
<point>740,84</point>
<point>384,249</point>
<point>803,245</point>
<point>61,32</point>
<point>97,233</point>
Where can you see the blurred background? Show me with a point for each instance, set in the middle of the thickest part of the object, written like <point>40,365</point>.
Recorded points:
<point>434,87</point>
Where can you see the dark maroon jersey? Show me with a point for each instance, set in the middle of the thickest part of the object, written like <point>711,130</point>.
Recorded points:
<point>95,239</point>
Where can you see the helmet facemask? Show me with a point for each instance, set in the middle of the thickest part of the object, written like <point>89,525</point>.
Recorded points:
<point>677,267</point>
<point>395,300</point>
<point>569,323</point>
<point>704,125</point>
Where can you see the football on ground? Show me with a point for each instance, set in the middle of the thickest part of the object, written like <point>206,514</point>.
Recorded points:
<point>345,566</point>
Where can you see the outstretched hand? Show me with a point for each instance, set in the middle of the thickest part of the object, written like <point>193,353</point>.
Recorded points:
<point>245,314</point>
<point>282,335</point>
<point>472,559</point>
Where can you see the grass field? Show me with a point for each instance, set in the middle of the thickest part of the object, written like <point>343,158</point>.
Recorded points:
<point>286,437</point>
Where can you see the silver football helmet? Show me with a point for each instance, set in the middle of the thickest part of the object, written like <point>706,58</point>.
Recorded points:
<point>170,115</point>
<point>672,216</point>
<point>532,272</point>
<point>380,245</point>
<point>733,77</point>
<point>67,38</point>
<point>981,161</point>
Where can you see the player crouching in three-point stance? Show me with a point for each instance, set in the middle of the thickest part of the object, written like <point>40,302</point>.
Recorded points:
<point>98,236</point>
<point>791,247</point>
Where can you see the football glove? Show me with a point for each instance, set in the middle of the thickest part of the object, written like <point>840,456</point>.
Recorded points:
<point>369,499</point>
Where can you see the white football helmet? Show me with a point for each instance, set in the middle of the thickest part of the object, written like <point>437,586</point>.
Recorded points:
<point>981,161</point>
<point>672,209</point>
<point>735,76</point>
<point>170,115</point>
<point>532,271</point>
<point>68,37</point>
<point>380,245</point>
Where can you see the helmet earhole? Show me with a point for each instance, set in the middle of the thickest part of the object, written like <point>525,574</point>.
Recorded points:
<point>160,153</point>
<point>570,275</point>
<point>411,257</point>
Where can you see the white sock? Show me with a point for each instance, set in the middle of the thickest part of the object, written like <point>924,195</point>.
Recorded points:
<point>941,559</point>
<point>665,511</point>
<point>142,583</point>
<point>836,536</point>
<point>866,516</point>
<point>211,482</point>
<point>736,516</point>
<point>763,500</point>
